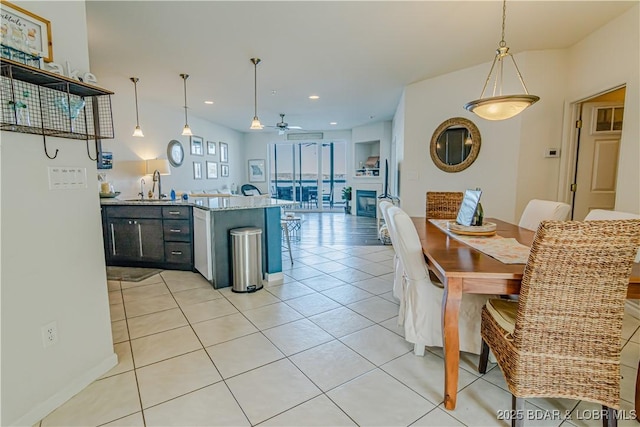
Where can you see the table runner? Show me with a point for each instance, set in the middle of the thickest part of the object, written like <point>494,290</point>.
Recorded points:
<point>505,250</point>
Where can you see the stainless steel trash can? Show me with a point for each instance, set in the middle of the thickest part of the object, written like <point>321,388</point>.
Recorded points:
<point>246,251</point>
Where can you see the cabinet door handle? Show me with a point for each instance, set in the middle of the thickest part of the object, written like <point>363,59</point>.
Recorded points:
<point>174,212</point>
<point>176,252</point>
<point>113,240</point>
<point>173,230</point>
<point>140,238</point>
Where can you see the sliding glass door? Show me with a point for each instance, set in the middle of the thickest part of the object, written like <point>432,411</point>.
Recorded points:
<point>309,173</point>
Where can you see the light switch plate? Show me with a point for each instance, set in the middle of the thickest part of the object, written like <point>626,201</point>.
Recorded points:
<point>552,152</point>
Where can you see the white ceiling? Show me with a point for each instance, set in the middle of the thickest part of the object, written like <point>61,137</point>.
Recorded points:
<point>357,56</point>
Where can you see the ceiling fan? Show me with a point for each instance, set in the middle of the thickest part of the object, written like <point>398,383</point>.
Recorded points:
<point>283,126</point>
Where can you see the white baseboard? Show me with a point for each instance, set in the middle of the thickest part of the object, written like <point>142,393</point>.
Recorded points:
<point>274,277</point>
<point>49,405</point>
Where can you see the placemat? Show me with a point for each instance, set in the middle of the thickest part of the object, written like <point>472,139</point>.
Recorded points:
<point>505,250</point>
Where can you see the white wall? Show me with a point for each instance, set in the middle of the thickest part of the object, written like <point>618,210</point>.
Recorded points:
<point>511,168</point>
<point>52,258</point>
<point>607,58</point>
<point>429,103</point>
<point>160,125</point>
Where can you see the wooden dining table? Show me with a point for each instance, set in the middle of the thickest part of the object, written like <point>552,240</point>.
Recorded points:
<point>463,269</point>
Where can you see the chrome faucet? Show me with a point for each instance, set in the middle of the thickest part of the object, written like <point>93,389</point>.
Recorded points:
<point>156,178</point>
<point>141,193</point>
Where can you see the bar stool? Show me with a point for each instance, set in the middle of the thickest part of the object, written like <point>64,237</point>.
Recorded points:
<point>285,230</point>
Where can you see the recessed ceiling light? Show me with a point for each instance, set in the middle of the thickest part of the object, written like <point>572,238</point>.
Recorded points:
<point>314,97</point>
<point>333,123</point>
<point>208,102</point>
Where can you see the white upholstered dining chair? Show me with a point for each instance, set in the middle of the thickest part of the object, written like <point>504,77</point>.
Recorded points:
<point>422,299</point>
<point>397,264</point>
<point>602,214</point>
<point>538,210</point>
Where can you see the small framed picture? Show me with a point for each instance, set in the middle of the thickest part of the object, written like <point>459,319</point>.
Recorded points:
<point>224,170</point>
<point>211,148</point>
<point>196,146</point>
<point>197,170</point>
<point>224,152</point>
<point>256,170</point>
<point>212,170</point>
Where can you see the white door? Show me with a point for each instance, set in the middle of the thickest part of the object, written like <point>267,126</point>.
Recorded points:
<point>597,166</point>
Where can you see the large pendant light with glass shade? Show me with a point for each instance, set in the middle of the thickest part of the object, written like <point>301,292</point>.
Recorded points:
<point>137,131</point>
<point>255,123</point>
<point>499,106</point>
<point>186,131</point>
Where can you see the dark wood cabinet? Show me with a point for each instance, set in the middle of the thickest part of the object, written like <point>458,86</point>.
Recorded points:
<point>148,236</point>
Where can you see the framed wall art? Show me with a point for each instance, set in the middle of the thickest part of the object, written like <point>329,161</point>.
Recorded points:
<point>197,148</point>
<point>197,170</point>
<point>224,170</point>
<point>26,31</point>
<point>212,170</point>
<point>256,170</point>
<point>211,148</point>
<point>224,152</point>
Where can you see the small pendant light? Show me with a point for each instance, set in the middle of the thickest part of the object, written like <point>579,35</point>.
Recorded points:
<point>186,131</point>
<point>137,131</point>
<point>499,106</point>
<point>255,123</point>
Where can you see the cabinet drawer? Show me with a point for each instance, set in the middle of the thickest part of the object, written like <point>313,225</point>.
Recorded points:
<point>179,253</point>
<point>133,212</point>
<point>176,212</point>
<point>177,230</point>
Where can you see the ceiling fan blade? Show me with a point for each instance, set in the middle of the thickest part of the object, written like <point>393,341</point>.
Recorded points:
<point>294,127</point>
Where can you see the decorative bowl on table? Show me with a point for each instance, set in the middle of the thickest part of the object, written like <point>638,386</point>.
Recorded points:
<point>486,229</point>
<point>109,195</point>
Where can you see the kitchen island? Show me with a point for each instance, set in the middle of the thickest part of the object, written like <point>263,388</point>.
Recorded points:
<point>191,235</point>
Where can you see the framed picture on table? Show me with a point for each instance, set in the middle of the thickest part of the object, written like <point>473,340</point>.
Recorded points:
<point>256,170</point>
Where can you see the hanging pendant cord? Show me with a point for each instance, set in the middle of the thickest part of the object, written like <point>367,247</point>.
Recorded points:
<point>135,89</point>
<point>255,88</point>
<point>184,78</point>
<point>504,17</point>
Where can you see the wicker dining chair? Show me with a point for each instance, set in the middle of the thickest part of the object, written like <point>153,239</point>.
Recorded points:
<point>443,204</point>
<point>562,338</point>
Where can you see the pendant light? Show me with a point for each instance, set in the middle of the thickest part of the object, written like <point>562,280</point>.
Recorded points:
<point>137,131</point>
<point>255,123</point>
<point>499,106</point>
<point>186,131</point>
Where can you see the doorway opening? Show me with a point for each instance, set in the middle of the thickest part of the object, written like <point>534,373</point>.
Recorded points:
<point>594,148</point>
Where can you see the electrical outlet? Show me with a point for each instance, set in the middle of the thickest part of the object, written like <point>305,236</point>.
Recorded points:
<point>50,334</point>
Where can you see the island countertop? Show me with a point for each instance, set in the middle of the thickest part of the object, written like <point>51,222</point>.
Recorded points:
<point>206,203</point>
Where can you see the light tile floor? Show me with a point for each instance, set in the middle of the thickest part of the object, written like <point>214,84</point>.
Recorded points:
<point>321,348</point>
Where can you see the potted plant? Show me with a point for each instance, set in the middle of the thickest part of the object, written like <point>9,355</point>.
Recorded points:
<point>346,196</point>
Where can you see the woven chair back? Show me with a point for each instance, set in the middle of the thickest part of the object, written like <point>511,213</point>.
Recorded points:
<point>443,204</point>
<point>573,291</point>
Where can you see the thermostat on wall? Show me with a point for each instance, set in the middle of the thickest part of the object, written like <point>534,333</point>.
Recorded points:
<point>552,152</point>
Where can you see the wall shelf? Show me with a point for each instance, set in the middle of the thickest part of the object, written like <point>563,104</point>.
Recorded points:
<point>39,102</point>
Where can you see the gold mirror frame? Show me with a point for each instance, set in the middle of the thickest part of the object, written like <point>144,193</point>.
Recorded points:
<point>475,145</point>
